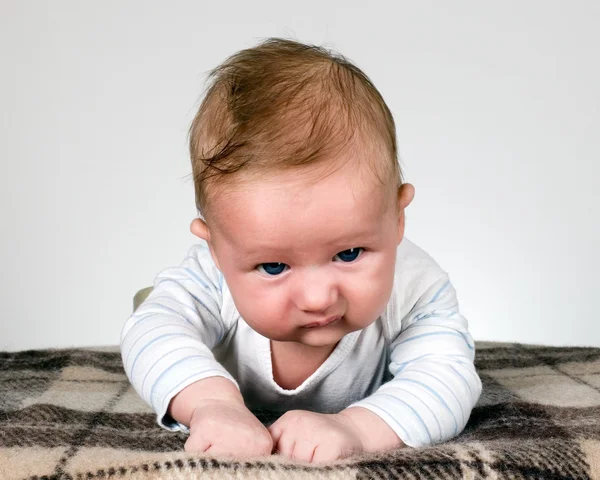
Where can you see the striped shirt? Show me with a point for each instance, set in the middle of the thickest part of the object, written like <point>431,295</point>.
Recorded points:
<point>413,366</point>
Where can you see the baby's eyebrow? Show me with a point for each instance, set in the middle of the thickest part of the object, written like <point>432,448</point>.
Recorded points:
<point>345,242</point>
<point>249,253</point>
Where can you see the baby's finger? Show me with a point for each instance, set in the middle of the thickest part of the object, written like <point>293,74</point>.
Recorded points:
<point>275,430</point>
<point>304,451</point>
<point>325,454</point>
<point>230,451</point>
<point>285,446</point>
<point>196,444</point>
<point>219,451</point>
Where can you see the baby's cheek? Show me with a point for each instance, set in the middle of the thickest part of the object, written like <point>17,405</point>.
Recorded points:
<point>247,300</point>
<point>263,310</point>
<point>371,299</point>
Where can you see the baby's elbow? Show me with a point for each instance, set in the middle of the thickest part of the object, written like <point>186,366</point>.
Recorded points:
<point>478,387</point>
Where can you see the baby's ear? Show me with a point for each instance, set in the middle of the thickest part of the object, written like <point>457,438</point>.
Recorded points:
<point>199,228</point>
<point>406,193</point>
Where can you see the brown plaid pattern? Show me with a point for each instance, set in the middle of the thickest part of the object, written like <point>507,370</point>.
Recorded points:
<point>71,414</point>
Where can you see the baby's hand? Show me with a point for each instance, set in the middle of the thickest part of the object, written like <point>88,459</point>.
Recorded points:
<point>227,429</point>
<point>315,437</point>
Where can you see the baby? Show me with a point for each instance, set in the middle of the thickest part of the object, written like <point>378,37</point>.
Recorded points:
<point>302,297</point>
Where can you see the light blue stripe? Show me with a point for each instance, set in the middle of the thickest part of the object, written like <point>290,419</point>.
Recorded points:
<point>473,374</point>
<point>434,393</point>
<point>154,364</point>
<point>396,399</point>
<point>421,316</point>
<point>430,410</point>
<point>193,260</point>
<point>195,374</point>
<point>439,292</point>
<point>201,282</point>
<point>403,365</point>
<point>195,311</point>
<point>162,325</point>
<point>150,343</point>
<point>167,308</point>
<point>455,334</point>
<point>166,295</point>
<point>177,281</point>
<point>216,306</point>
<point>398,425</point>
<point>417,324</point>
<point>430,315</point>
<point>463,379</point>
<point>144,316</point>
<point>191,295</point>
<point>449,389</point>
<point>196,277</point>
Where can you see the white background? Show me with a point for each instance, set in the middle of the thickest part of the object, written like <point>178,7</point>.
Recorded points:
<point>497,106</point>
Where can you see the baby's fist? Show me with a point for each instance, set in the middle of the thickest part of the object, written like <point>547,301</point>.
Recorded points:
<point>228,429</point>
<point>315,437</point>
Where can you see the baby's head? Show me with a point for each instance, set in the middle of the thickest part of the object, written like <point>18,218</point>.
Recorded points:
<point>296,177</point>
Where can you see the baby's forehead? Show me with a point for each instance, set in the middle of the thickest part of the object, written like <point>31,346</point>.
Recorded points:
<point>346,178</point>
<point>357,196</point>
<point>259,222</point>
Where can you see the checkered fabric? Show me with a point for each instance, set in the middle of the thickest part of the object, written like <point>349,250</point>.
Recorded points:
<point>71,414</point>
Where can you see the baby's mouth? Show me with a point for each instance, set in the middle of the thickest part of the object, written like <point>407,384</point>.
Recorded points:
<point>322,323</point>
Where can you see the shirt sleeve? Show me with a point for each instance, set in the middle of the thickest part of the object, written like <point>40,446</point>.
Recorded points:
<point>434,385</point>
<point>167,343</point>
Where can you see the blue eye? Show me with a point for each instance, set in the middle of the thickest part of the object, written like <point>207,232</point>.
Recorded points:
<point>272,268</point>
<point>350,255</point>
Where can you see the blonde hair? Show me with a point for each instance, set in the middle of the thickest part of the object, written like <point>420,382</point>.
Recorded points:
<point>284,104</point>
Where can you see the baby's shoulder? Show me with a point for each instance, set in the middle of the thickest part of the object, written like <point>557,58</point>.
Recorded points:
<point>199,260</point>
<point>410,254</point>
<point>415,272</point>
<point>414,267</point>
<point>203,269</point>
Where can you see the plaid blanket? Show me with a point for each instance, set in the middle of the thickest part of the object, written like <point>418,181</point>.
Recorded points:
<point>71,414</point>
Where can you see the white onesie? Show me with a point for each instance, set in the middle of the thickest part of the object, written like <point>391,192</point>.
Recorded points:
<point>413,366</point>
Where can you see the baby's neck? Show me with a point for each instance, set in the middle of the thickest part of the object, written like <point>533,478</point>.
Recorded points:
<point>293,362</point>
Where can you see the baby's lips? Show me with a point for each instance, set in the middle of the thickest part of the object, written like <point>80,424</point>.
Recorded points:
<point>322,323</point>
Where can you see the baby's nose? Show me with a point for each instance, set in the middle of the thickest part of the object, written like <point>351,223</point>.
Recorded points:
<point>316,293</point>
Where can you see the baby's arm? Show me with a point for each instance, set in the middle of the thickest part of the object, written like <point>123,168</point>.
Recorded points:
<point>220,423</point>
<point>435,385</point>
<point>429,400</point>
<point>166,348</point>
